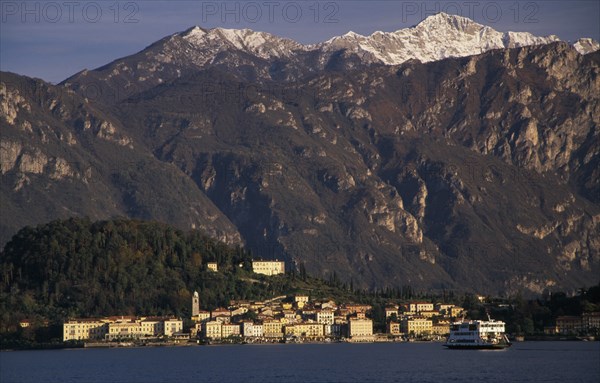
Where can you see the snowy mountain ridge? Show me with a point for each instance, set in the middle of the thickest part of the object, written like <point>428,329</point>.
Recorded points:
<point>435,38</point>
<point>257,56</point>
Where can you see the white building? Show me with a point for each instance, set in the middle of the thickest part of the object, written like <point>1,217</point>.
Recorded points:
<point>268,267</point>
<point>325,317</point>
<point>252,330</point>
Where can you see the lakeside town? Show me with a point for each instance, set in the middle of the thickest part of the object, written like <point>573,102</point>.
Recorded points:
<point>288,318</point>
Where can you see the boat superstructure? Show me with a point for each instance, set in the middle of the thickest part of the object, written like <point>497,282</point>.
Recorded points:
<point>477,334</point>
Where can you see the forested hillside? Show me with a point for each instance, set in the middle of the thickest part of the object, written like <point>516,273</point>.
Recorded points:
<point>81,268</point>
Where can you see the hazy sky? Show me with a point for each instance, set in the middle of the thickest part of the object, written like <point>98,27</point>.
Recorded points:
<point>55,39</point>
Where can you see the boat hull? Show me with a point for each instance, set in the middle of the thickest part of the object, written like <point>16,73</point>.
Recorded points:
<point>477,346</point>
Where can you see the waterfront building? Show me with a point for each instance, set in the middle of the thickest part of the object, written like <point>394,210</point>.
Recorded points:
<point>153,325</point>
<point>231,329</point>
<point>125,329</point>
<point>252,330</point>
<point>172,326</point>
<point>569,324</point>
<point>360,327</point>
<point>305,330</point>
<point>337,330</point>
<point>440,328</point>
<point>211,329</point>
<point>268,267</point>
<point>273,329</point>
<point>85,329</point>
<point>393,328</point>
<point>416,326</point>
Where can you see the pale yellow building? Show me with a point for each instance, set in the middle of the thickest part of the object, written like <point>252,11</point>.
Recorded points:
<point>211,329</point>
<point>305,330</point>
<point>360,327</point>
<point>393,328</point>
<point>120,328</point>
<point>153,326</point>
<point>268,267</point>
<point>201,316</point>
<point>416,326</point>
<point>273,329</point>
<point>212,266</point>
<point>417,307</point>
<point>85,329</point>
<point>125,330</point>
<point>230,329</point>
<point>440,328</point>
<point>172,326</point>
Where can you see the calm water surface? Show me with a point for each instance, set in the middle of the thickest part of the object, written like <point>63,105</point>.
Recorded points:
<point>398,362</point>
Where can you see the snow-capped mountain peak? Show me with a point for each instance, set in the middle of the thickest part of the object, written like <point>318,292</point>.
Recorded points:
<point>586,45</point>
<point>437,37</point>
<point>446,21</point>
<point>261,44</point>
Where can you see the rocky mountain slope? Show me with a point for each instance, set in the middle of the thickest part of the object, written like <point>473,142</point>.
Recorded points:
<point>63,157</point>
<point>478,172</point>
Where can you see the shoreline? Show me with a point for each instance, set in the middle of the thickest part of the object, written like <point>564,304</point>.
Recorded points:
<point>130,344</point>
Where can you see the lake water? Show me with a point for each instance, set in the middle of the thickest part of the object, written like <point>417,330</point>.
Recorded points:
<point>395,362</point>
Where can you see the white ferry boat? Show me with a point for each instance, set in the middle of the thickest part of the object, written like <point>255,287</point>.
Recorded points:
<point>477,334</point>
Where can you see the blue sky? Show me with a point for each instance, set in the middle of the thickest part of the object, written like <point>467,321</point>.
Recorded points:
<point>55,39</point>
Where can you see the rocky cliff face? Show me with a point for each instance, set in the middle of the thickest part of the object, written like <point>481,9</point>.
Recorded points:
<point>62,157</point>
<point>459,171</point>
<point>477,173</point>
